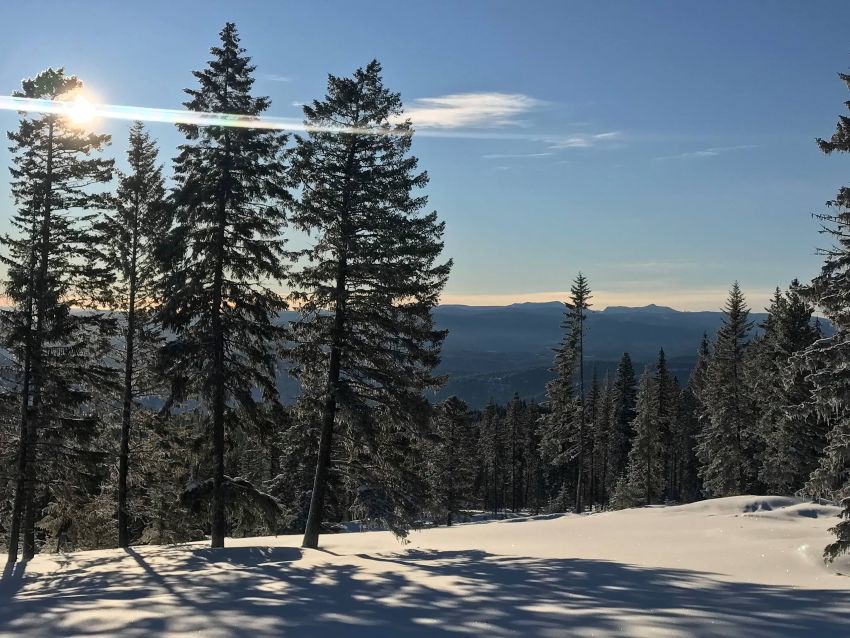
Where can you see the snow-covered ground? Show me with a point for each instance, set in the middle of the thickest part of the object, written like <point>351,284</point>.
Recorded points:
<point>741,566</point>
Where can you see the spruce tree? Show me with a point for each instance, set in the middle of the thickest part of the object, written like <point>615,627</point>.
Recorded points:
<point>727,439</point>
<point>131,235</point>
<point>220,300</point>
<point>371,277</point>
<point>451,457</point>
<point>643,481</point>
<point>57,356</point>
<point>566,431</point>
<point>824,362</point>
<point>792,434</point>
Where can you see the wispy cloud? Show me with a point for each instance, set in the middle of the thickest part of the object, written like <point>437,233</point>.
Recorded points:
<point>582,140</point>
<point>707,152</point>
<point>493,156</point>
<point>471,110</point>
<point>659,266</point>
<point>274,77</point>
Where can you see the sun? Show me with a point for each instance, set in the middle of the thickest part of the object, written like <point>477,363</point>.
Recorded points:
<point>80,111</point>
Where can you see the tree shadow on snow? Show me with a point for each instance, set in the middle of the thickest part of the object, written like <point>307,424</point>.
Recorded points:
<point>256,591</point>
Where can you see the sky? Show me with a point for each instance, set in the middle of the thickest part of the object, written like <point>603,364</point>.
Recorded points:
<point>664,149</point>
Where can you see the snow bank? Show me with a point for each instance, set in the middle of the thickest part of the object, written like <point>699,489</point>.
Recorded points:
<point>744,566</point>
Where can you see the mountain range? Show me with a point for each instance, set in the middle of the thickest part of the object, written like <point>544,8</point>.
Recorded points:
<point>493,351</point>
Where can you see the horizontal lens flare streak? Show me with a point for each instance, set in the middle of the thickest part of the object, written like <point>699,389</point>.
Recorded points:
<point>176,116</point>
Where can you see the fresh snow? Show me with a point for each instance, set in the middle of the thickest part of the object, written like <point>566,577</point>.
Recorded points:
<point>741,566</point>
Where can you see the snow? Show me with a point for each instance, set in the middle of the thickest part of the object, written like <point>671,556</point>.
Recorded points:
<point>741,566</point>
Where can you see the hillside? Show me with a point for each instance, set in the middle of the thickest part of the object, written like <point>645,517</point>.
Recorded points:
<point>742,566</point>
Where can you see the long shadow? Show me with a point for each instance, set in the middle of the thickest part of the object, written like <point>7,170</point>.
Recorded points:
<point>259,591</point>
<point>12,580</point>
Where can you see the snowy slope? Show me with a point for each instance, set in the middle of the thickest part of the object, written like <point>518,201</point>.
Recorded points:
<point>741,566</point>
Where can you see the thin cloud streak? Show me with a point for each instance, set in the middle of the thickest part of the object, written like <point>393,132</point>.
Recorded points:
<point>707,152</point>
<point>582,141</point>
<point>515,155</point>
<point>273,77</point>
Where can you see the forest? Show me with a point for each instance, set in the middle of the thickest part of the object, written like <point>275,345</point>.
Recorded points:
<point>142,342</point>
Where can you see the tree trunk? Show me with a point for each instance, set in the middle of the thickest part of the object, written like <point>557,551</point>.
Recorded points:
<point>23,452</point>
<point>217,523</point>
<point>323,464</point>
<point>124,453</point>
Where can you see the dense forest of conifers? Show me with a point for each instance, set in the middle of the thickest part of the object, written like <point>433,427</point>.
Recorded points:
<point>142,341</point>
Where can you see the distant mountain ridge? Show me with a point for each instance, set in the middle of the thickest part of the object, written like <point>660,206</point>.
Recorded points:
<point>493,351</point>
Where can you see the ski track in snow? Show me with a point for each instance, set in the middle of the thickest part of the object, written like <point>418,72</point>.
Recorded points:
<point>741,566</point>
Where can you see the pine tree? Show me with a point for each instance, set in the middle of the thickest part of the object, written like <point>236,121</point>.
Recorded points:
<point>131,235</point>
<point>624,393</point>
<point>643,481</point>
<point>727,439</point>
<point>371,277</point>
<point>793,436</point>
<point>57,355</point>
<point>220,300</point>
<point>451,458</point>
<point>824,362</point>
<point>566,429</point>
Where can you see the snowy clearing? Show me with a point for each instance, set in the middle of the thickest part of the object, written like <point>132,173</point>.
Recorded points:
<point>742,566</point>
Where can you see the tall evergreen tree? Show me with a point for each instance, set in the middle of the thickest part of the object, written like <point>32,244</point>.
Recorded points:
<point>131,236</point>
<point>727,438</point>
<point>824,362</point>
<point>792,434</point>
<point>220,301</point>
<point>643,480</point>
<point>565,434</point>
<point>371,278</point>
<point>57,354</point>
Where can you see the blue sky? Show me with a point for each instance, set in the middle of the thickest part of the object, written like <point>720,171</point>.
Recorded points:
<point>663,148</point>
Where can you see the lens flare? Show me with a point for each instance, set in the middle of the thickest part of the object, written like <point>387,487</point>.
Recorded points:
<point>80,110</point>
